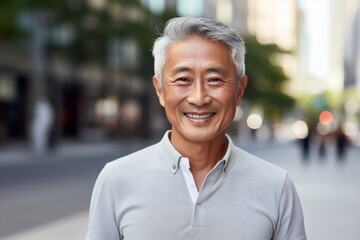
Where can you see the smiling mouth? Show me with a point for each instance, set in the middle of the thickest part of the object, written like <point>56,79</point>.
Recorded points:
<point>199,116</point>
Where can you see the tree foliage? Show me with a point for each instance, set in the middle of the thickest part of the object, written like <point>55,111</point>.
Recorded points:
<point>9,13</point>
<point>266,79</point>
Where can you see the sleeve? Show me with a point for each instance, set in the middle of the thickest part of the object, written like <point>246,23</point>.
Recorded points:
<point>290,225</point>
<point>102,221</point>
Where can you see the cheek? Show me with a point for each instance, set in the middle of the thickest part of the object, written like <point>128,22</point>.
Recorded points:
<point>226,94</point>
<point>174,94</point>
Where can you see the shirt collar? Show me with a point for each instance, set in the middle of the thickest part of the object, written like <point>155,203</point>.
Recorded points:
<point>172,156</point>
<point>169,153</point>
<point>229,157</point>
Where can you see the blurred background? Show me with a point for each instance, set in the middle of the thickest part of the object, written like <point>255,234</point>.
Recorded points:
<point>76,92</point>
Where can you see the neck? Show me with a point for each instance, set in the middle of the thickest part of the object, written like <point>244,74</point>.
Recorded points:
<point>203,156</point>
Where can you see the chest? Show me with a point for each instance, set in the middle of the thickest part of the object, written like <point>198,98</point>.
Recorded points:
<point>223,210</point>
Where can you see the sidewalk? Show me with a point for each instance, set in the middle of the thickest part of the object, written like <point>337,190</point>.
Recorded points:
<point>69,228</point>
<point>21,152</point>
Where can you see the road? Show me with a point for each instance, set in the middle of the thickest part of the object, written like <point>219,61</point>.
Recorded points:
<point>40,190</point>
<point>46,199</point>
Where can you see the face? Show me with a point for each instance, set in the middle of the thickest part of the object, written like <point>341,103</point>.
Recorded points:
<point>199,89</point>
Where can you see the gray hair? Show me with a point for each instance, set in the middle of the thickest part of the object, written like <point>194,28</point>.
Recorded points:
<point>182,28</point>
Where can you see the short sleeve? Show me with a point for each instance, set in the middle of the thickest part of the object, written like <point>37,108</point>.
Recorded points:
<point>290,225</point>
<point>102,220</point>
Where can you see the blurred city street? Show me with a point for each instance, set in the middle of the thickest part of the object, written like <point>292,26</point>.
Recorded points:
<point>48,197</point>
<point>44,197</point>
<point>76,92</point>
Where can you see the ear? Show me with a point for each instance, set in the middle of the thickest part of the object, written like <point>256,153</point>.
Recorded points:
<point>158,89</point>
<point>241,89</point>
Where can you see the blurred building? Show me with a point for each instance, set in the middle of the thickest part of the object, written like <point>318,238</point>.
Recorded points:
<point>231,12</point>
<point>276,22</point>
<point>321,49</point>
<point>352,44</point>
<point>335,76</point>
<point>329,45</point>
<point>322,53</point>
<point>102,96</point>
<point>13,92</point>
<point>351,64</point>
<point>315,46</point>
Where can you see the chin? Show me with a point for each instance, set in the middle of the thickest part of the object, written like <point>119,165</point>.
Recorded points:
<point>199,136</point>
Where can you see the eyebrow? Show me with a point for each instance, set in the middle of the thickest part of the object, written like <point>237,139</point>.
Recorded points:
<point>219,70</point>
<point>181,69</point>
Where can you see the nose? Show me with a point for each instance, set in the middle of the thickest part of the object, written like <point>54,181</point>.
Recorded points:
<point>198,94</point>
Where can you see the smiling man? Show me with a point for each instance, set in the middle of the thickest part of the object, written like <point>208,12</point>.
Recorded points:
<point>195,183</point>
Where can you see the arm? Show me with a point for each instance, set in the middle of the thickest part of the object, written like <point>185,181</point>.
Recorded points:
<point>290,225</point>
<point>102,220</point>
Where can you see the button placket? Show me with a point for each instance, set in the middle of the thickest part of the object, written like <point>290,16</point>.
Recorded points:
<point>189,179</point>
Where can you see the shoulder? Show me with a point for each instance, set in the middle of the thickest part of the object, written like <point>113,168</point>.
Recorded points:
<point>262,180</point>
<point>130,166</point>
<point>254,168</point>
<point>142,157</point>
<point>247,159</point>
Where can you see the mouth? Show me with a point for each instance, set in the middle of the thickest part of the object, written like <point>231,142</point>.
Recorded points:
<point>199,116</point>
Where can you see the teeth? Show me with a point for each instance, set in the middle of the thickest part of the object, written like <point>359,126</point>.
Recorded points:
<point>195,116</point>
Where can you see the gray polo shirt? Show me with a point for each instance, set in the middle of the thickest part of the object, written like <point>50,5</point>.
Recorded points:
<point>144,196</point>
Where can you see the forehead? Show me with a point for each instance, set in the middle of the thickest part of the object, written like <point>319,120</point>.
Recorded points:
<point>197,43</point>
<point>197,49</point>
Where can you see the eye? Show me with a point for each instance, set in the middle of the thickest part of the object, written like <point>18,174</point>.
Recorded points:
<point>214,81</point>
<point>182,80</point>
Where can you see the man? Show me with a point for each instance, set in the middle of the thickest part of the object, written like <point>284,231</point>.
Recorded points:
<point>195,184</point>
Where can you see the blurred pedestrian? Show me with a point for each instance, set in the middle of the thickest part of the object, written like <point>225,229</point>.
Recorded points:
<point>341,143</point>
<point>305,147</point>
<point>306,140</point>
<point>3,132</point>
<point>195,183</point>
<point>41,125</point>
<point>322,146</point>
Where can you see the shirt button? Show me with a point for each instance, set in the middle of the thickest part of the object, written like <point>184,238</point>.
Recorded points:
<point>174,166</point>
<point>197,206</point>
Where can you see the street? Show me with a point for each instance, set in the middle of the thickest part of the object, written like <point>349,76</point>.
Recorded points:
<point>49,199</point>
<point>39,190</point>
